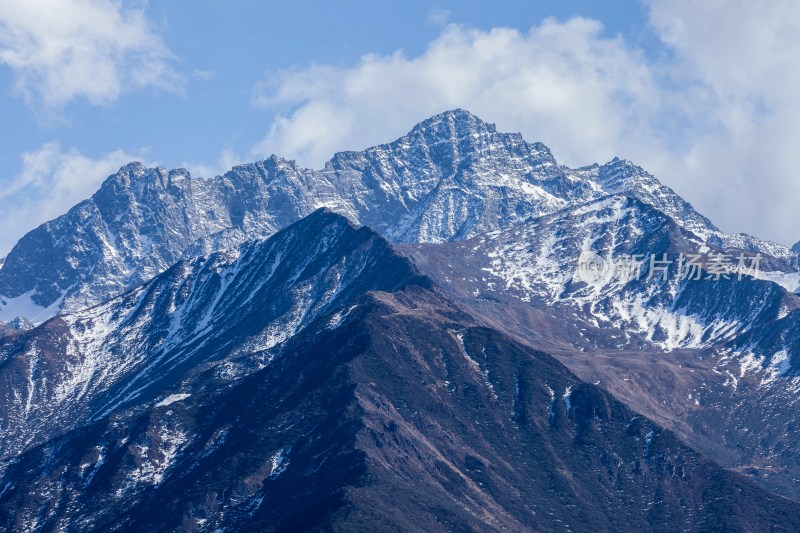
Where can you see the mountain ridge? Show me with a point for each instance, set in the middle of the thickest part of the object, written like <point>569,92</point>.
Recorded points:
<point>90,363</point>
<point>406,414</point>
<point>452,177</point>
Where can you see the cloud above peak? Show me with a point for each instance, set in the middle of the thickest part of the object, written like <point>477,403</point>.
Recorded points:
<point>542,83</point>
<point>709,106</point>
<point>709,109</point>
<point>63,50</point>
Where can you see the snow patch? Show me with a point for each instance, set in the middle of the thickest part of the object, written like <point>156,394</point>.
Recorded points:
<point>280,463</point>
<point>24,306</point>
<point>172,398</point>
<point>788,280</point>
<point>566,396</point>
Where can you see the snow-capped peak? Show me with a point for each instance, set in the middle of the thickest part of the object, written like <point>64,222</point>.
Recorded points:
<point>452,177</point>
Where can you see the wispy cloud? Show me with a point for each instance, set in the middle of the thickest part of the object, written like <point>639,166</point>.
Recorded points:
<point>438,16</point>
<point>204,75</point>
<point>62,50</point>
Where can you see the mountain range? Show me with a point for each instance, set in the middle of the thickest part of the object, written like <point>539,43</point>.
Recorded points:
<point>404,339</point>
<point>452,177</point>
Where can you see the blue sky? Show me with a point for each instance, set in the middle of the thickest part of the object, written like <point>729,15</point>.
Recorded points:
<point>700,96</point>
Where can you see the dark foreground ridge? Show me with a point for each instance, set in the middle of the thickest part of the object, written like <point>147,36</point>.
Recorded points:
<point>396,413</point>
<point>235,306</point>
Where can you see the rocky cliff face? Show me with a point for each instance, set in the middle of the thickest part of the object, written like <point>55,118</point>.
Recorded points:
<point>452,177</point>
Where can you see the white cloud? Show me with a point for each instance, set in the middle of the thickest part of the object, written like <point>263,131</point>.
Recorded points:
<point>712,113</point>
<point>61,50</point>
<point>51,181</point>
<point>740,166</point>
<point>561,82</point>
